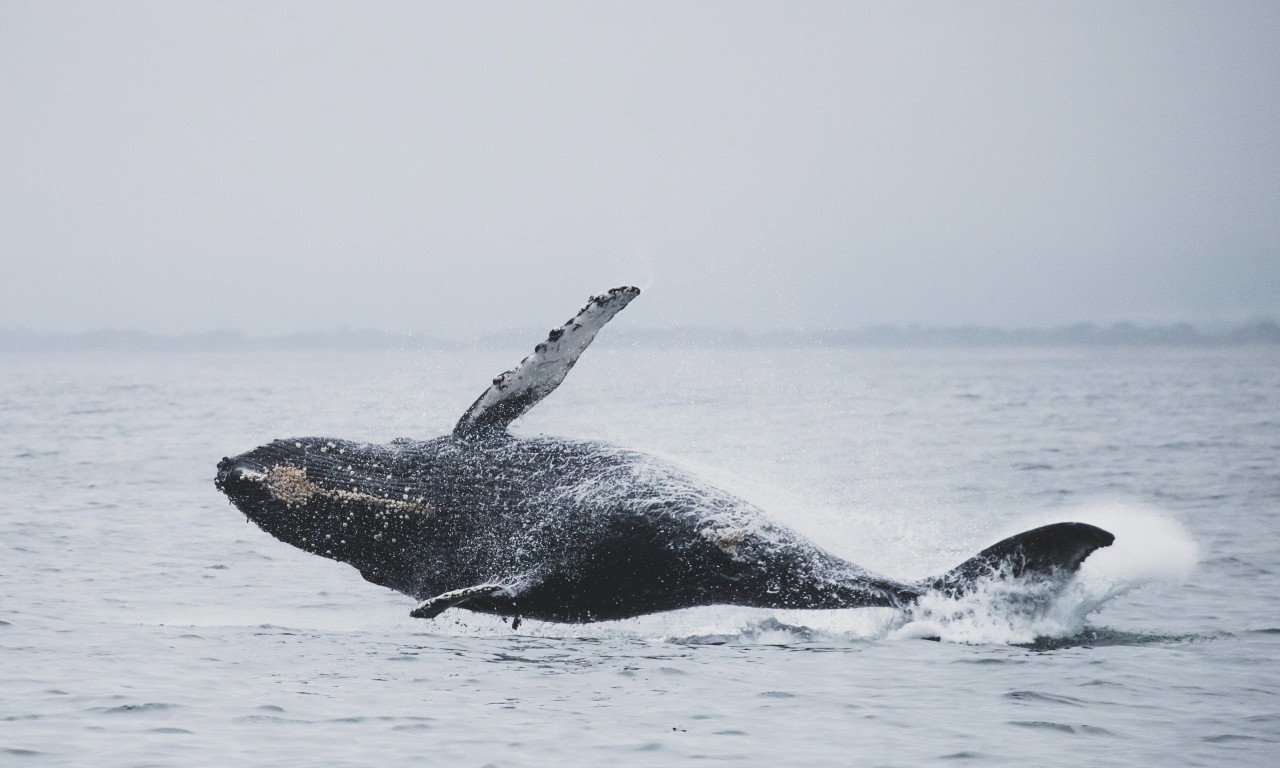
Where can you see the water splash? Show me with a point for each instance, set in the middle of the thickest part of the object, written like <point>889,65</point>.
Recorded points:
<point>1148,549</point>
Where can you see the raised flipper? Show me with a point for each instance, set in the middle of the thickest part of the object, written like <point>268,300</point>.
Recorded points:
<point>434,606</point>
<point>1052,551</point>
<point>519,389</point>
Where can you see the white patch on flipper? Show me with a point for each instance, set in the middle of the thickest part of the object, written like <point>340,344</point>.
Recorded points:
<point>434,606</point>
<point>516,391</point>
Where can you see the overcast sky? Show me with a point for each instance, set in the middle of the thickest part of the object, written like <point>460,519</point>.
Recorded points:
<point>468,167</point>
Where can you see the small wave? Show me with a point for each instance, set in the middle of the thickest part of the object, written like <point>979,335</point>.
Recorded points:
<point>135,709</point>
<point>1098,637</point>
<point>269,719</point>
<point>768,631</point>
<point>1049,698</point>
<point>1091,730</point>
<point>1227,738</point>
<point>757,626</point>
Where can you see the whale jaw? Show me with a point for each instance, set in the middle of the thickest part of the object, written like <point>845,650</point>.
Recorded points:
<point>332,499</point>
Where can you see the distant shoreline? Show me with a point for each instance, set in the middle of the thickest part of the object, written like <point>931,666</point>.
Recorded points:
<point>1181,335</point>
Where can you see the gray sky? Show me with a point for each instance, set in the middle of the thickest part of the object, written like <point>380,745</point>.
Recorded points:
<point>458,168</point>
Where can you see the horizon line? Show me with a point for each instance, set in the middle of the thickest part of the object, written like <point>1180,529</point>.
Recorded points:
<point>1087,334</point>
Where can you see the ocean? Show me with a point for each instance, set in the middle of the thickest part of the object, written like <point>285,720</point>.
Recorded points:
<point>144,622</point>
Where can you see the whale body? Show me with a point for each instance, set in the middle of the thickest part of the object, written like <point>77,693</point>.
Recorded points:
<point>568,530</point>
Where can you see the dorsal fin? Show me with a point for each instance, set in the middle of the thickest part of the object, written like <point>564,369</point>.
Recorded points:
<point>519,389</point>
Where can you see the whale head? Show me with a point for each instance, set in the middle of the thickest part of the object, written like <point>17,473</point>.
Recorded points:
<point>334,499</point>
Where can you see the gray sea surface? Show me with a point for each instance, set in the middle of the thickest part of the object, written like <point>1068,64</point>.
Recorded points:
<point>144,622</point>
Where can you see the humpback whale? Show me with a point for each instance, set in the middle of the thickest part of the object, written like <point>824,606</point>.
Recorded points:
<point>570,530</point>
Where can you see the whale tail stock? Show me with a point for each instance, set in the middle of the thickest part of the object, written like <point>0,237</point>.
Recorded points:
<point>1049,553</point>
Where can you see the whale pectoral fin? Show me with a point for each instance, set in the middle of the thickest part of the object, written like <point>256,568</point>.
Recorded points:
<point>434,606</point>
<point>519,389</point>
<point>1048,552</point>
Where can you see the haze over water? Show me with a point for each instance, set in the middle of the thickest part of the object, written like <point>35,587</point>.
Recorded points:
<point>462,168</point>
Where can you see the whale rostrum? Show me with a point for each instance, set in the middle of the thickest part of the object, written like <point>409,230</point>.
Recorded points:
<point>571,530</point>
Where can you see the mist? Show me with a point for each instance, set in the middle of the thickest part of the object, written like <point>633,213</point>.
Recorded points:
<point>467,168</point>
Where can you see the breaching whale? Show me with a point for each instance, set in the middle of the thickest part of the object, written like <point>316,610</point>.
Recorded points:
<point>569,530</point>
